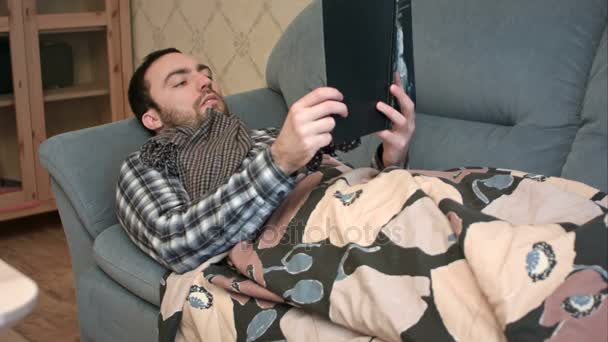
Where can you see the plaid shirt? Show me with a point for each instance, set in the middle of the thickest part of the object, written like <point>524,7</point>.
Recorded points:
<point>162,220</point>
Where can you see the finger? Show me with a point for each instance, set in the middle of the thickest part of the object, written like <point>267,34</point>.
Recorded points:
<point>317,96</point>
<point>397,79</point>
<point>405,103</point>
<point>386,135</point>
<point>324,125</point>
<point>394,115</point>
<point>331,161</point>
<point>321,140</point>
<point>325,109</point>
<point>389,137</point>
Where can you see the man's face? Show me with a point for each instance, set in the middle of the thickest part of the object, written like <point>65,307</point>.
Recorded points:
<point>183,89</point>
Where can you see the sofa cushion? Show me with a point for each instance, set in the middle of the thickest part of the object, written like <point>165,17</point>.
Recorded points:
<point>120,259</point>
<point>469,143</point>
<point>520,65</point>
<point>590,146</point>
<point>516,69</point>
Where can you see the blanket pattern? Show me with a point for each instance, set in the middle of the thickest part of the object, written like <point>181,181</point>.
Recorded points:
<point>469,254</point>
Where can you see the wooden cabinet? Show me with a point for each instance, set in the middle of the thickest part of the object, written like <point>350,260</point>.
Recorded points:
<point>64,65</point>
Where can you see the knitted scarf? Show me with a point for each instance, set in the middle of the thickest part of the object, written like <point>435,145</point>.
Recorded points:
<point>203,158</point>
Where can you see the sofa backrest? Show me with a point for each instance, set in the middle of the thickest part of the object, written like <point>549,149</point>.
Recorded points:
<point>507,84</point>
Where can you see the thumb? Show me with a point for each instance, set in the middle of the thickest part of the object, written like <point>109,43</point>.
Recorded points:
<point>383,134</point>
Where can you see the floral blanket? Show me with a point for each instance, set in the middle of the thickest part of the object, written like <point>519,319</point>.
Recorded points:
<point>471,254</point>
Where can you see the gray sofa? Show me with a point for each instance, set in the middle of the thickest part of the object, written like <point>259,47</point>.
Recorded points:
<point>511,84</point>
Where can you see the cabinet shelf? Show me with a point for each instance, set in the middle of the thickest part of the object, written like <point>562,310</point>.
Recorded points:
<point>4,24</point>
<point>75,92</point>
<point>83,21</point>
<point>6,100</point>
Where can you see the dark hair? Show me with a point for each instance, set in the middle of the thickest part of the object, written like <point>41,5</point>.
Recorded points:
<point>139,90</point>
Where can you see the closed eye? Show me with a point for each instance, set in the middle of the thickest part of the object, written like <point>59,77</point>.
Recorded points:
<point>207,73</point>
<point>205,70</point>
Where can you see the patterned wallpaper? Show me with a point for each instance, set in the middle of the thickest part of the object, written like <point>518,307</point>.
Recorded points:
<point>233,37</point>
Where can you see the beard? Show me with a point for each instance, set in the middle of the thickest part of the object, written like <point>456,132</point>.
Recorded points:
<point>176,118</point>
<point>194,118</point>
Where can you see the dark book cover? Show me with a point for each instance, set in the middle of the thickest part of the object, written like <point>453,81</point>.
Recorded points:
<point>368,43</point>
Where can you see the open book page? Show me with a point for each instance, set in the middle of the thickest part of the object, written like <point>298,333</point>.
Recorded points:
<point>403,59</point>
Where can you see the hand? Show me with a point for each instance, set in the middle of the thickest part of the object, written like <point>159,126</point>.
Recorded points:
<point>396,140</point>
<point>307,128</point>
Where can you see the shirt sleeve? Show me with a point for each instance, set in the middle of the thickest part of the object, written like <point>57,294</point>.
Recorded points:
<point>160,218</point>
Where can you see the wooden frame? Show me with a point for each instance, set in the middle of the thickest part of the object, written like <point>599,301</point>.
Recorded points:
<point>28,208</point>
<point>127,52</point>
<point>36,96</point>
<point>114,58</point>
<point>22,109</point>
<point>4,24</point>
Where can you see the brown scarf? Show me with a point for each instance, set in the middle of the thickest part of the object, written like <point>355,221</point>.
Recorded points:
<point>203,158</point>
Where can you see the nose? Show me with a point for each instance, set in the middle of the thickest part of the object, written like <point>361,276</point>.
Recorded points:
<point>203,82</point>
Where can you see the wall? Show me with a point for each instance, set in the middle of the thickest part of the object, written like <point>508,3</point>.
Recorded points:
<point>233,37</point>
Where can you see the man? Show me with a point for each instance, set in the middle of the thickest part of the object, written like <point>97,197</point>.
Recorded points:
<point>204,182</point>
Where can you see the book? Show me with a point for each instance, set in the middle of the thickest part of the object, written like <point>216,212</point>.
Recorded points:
<point>368,45</point>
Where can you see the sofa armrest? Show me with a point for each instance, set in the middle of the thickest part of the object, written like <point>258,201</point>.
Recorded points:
<point>85,164</point>
<point>80,242</point>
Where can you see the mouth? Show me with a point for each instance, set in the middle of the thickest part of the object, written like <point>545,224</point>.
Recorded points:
<point>209,100</point>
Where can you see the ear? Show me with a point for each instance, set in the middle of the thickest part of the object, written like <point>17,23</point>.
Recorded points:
<point>152,120</point>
